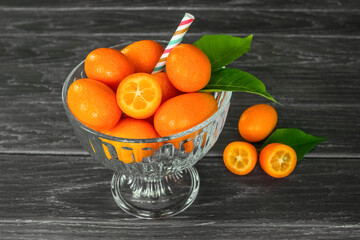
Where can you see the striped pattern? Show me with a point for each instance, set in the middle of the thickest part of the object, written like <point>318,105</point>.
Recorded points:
<point>175,40</point>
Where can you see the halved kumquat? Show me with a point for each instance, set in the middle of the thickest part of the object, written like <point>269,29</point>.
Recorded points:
<point>278,160</point>
<point>139,95</point>
<point>240,157</point>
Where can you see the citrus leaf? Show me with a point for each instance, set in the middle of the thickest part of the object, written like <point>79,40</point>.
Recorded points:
<point>223,49</point>
<point>230,79</point>
<point>300,141</point>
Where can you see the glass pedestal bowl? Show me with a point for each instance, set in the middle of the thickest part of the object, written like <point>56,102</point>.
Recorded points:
<point>153,178</point>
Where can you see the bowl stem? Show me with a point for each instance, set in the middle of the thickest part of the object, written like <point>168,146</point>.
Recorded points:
<point>153,198</point>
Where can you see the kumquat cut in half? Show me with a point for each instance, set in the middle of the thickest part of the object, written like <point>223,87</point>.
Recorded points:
<point>278,160</point>
<point>139,95</point>
<point>240,157</point>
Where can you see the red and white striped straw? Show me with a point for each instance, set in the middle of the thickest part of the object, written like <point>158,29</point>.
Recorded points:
<point>175,40</point>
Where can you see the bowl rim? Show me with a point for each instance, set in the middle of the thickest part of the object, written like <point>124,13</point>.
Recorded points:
<point>224,104</point>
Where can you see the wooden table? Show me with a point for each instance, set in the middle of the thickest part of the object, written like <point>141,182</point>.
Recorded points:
<point>306,52</point>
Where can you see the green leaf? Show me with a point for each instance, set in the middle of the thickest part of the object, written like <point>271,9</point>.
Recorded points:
<point>223,49</point>
<point>300,141</point>
<point>230,79</point>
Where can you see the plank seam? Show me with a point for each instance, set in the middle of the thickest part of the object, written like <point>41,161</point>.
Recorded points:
<point>176,8</point>
<point>132,220</point>
<point>167,34</point>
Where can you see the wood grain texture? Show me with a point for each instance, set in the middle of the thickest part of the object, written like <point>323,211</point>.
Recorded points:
<point>307,54</point>
<point>51,22</point>
<point>289,5</point>
<point>317,83</point>
<point>170,229</point>
<point>53,197</point>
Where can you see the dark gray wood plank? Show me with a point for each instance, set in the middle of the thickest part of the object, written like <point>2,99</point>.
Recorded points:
<point>155,22</point>
<point>69,197</point>
<point>307,54</point>
<point>316,80</point>
<point>187,4</point>
<point>168,229</point>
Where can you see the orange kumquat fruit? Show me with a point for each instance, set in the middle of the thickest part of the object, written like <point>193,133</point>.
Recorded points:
<point>133,129</point>
<point>188,68</point>
<point>183,112</point>
<point>139,95</point>
<point>278,160</point>
<point>108,65</point>
<point>94,104</point>
<point>257,122</point>
<point>167,89</point>
<point>240,157</point>
<point>144,55</point>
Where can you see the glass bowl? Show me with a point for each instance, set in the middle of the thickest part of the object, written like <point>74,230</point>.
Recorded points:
<point>153,178</point>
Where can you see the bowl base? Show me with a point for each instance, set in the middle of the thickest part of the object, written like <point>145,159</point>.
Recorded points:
<point>156,198</point>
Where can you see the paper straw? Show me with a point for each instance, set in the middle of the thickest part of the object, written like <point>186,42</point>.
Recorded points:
<point>175,40</point>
